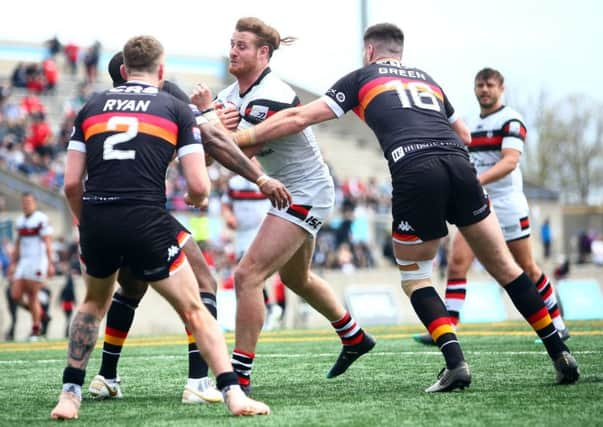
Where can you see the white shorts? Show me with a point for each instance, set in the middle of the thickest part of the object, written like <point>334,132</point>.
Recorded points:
<point>32,269</point>
<point>312,205</point>
<point>512,212</point>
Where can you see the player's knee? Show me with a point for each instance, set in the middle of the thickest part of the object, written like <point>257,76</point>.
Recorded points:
<point>246,277</point>
<point>415,274</point>
<point>191,315</point>
<point>410,286</point>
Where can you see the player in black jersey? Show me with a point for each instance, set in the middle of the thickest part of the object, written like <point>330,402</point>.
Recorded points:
<point>124,139</point>
<point>199,389</point>
<point>433,182</point>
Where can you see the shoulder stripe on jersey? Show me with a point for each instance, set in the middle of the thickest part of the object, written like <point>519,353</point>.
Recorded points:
<point>514,128</point>
<point>259,110</point>
<point>147,123</point>
<point>384,84</point>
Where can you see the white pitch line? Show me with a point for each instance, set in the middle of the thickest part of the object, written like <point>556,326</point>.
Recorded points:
<point>314,355</point>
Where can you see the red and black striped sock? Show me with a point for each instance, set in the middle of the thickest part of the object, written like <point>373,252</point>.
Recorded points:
<point>431,310</point>
<point>197,366</point>
<point>119,321</point>
<point>547,293</point>
<point>456,291</point>
<point>348,330</point>
<point>529,303</point>
<point>242,363</point>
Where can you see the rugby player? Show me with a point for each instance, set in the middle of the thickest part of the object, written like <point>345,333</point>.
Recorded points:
<point>286,239</point>
<point>497,141</point>
<point>199,388</point>
<point>31,261</point>
<point>433,182</point>
<point>124,139</point>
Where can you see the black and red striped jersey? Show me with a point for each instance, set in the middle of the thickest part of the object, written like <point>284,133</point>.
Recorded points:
<point>130,134</point>
<point>406,109</point>
<point>503,128</point>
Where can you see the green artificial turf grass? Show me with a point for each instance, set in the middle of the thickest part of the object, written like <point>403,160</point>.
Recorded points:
<point>513,382</point>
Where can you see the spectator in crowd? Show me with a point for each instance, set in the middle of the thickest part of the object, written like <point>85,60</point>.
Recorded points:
<point>51,74</point>
<point>547,238</point>
<point>91,58</point>
<point>54,47</point>
<point>71,51</point>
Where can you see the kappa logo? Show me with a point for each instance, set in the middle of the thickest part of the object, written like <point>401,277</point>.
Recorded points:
<point>172,252</point>
<point>405,226</point>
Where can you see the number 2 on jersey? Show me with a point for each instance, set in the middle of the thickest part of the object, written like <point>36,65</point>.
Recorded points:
<point>420,95</point>
<point>109,150</point>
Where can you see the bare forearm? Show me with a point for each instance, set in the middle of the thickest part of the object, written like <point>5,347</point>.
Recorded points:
<point>219,145</point>
<point>497,172</point>
<point>48,242</point>
<point>82,338</point>
<point>74,199</point>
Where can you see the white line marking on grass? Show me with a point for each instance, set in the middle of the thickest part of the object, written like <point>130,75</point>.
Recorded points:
<point>309,356</point>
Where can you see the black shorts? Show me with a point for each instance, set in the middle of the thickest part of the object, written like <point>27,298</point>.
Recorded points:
<point>431,191</point>
<point>145,238</point>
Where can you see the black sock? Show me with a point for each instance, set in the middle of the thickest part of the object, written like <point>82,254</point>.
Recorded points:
<point>431,310</point>
<point>119,321</point>
<point>197,366</point>
<point>528,302</point>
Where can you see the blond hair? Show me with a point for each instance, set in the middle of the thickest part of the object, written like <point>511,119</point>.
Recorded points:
<point>267,35</point>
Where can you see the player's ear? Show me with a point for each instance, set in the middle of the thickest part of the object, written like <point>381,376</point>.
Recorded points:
<point>161,71</point>
<point>123,72</point>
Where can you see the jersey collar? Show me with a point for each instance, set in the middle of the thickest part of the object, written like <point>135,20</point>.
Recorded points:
<point>492,112</point>
<point>257,82</point>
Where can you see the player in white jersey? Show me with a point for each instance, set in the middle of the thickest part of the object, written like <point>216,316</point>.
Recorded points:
<point>285,241</point>
<point>32,258</point>
<point>497,141</point>
<point>244,207</point>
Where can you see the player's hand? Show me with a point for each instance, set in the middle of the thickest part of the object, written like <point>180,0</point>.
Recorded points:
<point>202,97</point>
<point>50,269</point>
<point>195,201</point>
<point>277,193</point>
<point>229,116</point>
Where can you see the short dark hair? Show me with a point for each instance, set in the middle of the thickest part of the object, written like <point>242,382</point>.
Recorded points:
<point>142,53</point>
<point>386,37</point>
<point>113,68</point>
<point>490,73</point>
<point>267,35</point>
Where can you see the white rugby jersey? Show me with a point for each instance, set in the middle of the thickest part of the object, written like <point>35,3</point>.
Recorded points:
<point>31,231</point>
<point>249,204</point>
<point>503,128</point>
<point>294,160</point>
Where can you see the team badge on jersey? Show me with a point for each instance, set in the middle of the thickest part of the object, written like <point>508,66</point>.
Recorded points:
<point>197,134</point>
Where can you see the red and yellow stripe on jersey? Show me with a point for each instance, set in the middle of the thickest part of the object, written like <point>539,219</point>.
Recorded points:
<point>147,123</point>
<point>377,86</point>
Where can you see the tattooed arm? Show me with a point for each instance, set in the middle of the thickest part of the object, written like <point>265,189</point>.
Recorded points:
<point>82,338</point>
